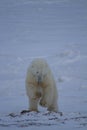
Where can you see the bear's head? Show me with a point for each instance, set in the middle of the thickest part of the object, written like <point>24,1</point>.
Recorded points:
<point>39,70</point>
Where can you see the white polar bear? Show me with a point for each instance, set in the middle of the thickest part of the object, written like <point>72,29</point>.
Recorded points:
<point>40,86</point>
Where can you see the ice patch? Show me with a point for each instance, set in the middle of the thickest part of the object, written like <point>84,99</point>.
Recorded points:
<point>44,119</point>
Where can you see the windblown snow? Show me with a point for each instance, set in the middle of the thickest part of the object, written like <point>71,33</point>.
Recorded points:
<point>57,31</point>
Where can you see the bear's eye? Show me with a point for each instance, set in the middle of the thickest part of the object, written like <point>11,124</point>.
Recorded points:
<point>37,72</point>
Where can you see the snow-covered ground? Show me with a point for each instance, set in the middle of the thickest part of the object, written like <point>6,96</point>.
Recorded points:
<point>57,31</point>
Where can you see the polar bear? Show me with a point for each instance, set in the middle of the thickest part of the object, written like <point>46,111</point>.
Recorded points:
<point>40,86</point>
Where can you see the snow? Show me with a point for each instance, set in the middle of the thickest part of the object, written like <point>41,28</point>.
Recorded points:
<point>57,31</point>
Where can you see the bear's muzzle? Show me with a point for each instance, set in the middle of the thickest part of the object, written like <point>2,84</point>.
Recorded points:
<point>39,80</point>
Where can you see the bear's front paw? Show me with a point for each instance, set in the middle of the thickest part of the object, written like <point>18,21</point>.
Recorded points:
<point>38,94</point>
<point>43,103</point>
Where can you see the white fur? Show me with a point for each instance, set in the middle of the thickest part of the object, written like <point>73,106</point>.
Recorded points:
<point>41,86</point>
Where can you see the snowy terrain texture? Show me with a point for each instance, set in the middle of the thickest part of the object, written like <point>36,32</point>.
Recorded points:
<point>57,31</point>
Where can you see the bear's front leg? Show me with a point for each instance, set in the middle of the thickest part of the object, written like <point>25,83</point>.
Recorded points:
<point>47,97</point>
<point>43,102</point>
<point>33,97</point>
<point>53,107</point>
<point>33,104</point>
